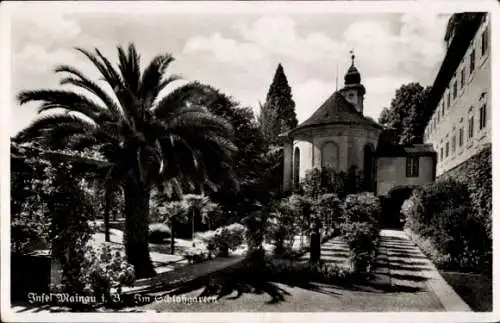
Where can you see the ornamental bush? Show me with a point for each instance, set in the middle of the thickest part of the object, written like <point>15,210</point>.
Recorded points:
<point>196,254</point>
<point>429,201</point>
<point>257,227</point>
<point>159,232</point>
<point>362,239</point>
<point>328,208</point>
<point>298,271</point>
<point>442,215</point>
<point>104,272</point>
<point>220,241</point>
<point>327,180</point>
<point>360,236</point>
<point>287,221</point>
<point>31,186</point>
<point>476,173</point>
<point>360,229</point>
<point>362,207</point>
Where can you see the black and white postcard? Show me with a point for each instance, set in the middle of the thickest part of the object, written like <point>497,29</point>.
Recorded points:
<point>248,160</point>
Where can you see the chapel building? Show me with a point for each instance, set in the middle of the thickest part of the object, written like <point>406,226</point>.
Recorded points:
<point>339,136</point>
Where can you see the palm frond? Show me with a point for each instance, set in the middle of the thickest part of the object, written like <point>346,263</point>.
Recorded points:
<point>151,82</point>
<point>105,68</point>
<point>169,80</point>
<point>185,96</point>
<point>84,82</point>
<point>195,122</point>
<point>130,67</point>
<point>54,127</point>
<point>57,99</point>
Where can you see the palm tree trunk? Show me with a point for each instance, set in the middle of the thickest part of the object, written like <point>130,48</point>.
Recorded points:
<point>136,229</point>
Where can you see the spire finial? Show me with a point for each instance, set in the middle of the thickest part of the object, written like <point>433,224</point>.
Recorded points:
<point>352,56</point>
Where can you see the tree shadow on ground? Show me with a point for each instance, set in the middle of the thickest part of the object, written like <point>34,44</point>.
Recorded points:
<point>234,284</point>
<point>226,284</point>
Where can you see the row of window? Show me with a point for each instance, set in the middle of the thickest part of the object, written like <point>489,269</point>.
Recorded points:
<point>452,90</point>
<point>482,117</point>
<point>444,151</point>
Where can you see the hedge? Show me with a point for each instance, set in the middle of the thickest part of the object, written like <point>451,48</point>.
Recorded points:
<point>360,229</point>
<point>476,173</point>
<point>441,216</point>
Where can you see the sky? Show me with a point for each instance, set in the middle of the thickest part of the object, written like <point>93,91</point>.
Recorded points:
<point>238,53</point>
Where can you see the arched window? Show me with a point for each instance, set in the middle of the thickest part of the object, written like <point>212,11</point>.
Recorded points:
<point>329,155</point>
<point>368,166</point>
<point>296,167</point>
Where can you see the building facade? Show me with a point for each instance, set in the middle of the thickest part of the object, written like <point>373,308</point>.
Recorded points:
<point>460,98</point>
<point>340,137</point>
<point>405,166</point>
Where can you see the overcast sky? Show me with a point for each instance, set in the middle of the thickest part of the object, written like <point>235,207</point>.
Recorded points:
<point>238,53</point>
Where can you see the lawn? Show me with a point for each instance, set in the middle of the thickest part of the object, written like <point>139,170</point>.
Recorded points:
<point>476,290</point>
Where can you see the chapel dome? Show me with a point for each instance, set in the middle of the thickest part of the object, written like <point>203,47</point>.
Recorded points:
<point>352,76</point>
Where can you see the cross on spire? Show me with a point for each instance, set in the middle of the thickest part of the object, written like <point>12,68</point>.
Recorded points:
<point>352,56</point>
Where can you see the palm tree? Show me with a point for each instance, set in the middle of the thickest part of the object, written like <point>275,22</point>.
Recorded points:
<point>169,141</point>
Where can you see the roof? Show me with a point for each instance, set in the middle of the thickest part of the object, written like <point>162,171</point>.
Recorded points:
<point>405,150</point>
<point>337,110</point>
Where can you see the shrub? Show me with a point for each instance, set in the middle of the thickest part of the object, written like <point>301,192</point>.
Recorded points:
<point>429,201</point>
<point>327,180</point>
<point>360,229</point>
<point>442,215</point>
<point>360,236</point>
<point>196,255</point>
<point>362,207</point>
<point>303,271</point>
<point>224,239</point>
<point>476,173</point>
<point>362,239</point>
<point>463,237</point>
<point>328,208</point>
<point>256,224</point>
<point>280,237</point>
<point>427,246</point>
<point>158,232</point>
<point>284,223</point>
<point>106,272</point>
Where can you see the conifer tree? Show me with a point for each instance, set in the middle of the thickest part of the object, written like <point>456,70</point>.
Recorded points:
<point>278,112</point>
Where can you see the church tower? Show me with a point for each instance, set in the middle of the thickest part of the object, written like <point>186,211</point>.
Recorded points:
<point>353,91</point>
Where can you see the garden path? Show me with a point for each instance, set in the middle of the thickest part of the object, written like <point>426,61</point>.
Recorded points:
<point>405,267</point>
<point>405,281</point>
